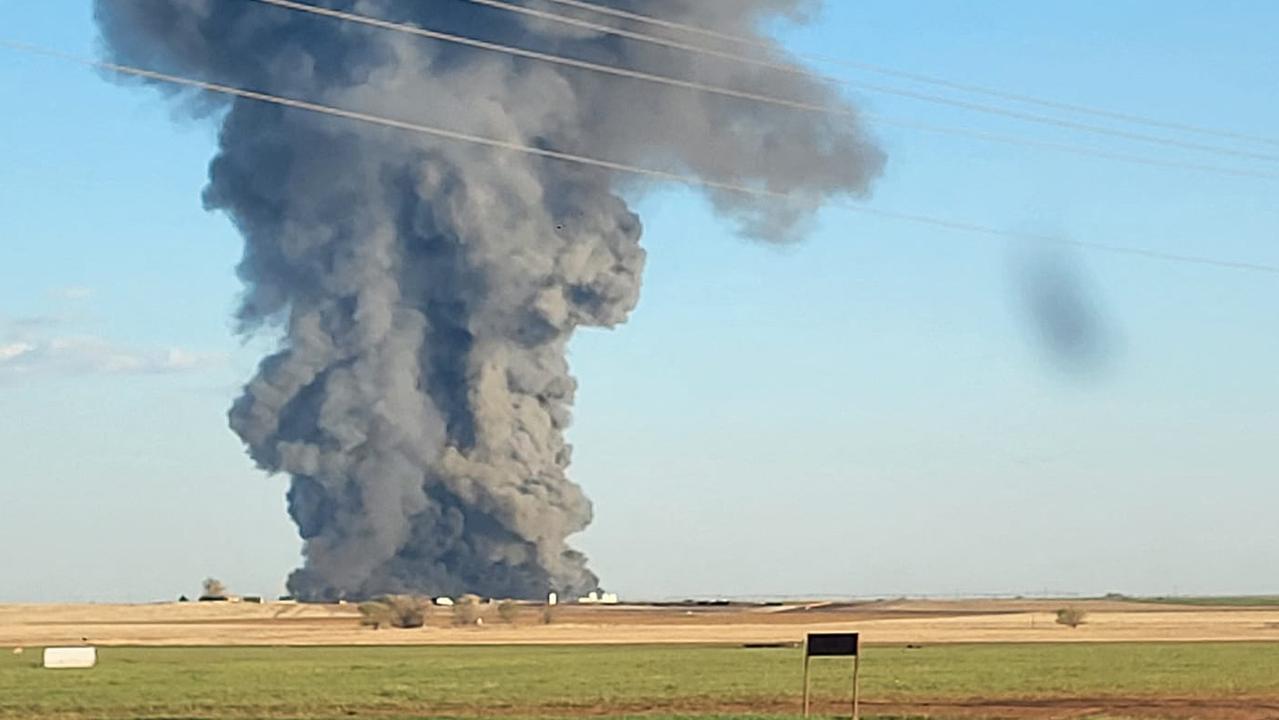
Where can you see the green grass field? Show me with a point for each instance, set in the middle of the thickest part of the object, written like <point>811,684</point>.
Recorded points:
<point>404,682</point>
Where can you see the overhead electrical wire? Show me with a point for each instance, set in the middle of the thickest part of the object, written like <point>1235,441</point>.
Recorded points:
<point>871,87</point>
<point>508,145</point>
<point>920,77</point>
<point>752,96</point>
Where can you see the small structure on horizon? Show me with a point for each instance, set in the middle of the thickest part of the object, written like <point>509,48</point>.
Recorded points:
<point>552,599</point>
<point>599,598</point>
<point>213,590</point>
<point>444,601</point>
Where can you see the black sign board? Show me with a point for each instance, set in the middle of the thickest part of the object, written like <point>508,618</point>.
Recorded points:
<point>831,644</point>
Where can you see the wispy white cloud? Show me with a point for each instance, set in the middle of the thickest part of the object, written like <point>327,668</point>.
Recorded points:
<point>15,350</point>
<point>74,293</point>
<point>65,343</point>
<point>31,323</point>
<point>87,354</point>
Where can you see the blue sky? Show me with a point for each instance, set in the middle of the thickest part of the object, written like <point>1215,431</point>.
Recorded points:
<point>869,412</point>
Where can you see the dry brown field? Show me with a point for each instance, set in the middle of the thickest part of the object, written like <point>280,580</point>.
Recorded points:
<point>887,622</point>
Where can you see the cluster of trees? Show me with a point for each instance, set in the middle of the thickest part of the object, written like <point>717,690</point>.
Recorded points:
<point>400,611</point>
<point>408,611</point>
<point>411,611</point>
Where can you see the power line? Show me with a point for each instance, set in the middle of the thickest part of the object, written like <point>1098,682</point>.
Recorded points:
<point>499,144</point>
<point>751,96</point>
<point>869,87</point>
<point>921,78</point>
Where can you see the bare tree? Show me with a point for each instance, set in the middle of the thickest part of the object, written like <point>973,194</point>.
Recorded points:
<point>508,610</point>
<point>398,611</point>
<point>1072,617</point>
<point>468,611</point>
<point>375,614</point>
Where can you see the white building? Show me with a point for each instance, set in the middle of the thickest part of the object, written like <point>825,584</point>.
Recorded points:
<point>597,598</point>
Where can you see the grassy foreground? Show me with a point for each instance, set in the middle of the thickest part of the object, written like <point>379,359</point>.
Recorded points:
<point>404,682</point>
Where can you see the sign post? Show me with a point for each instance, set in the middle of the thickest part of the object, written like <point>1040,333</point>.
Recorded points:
<point>832,645</point>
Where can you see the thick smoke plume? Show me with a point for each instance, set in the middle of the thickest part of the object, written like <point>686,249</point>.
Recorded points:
<point>426,289</point>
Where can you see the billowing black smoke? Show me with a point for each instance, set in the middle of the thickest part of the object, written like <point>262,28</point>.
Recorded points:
<point>427,289</point>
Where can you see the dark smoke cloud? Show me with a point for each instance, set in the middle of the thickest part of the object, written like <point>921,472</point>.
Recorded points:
<point>1064,311</point>
<point>427,290</point>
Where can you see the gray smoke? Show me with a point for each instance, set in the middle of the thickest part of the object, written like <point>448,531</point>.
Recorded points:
<point>427,289</point>
<point>1064,312</point>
